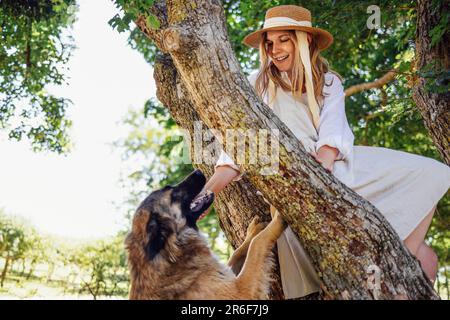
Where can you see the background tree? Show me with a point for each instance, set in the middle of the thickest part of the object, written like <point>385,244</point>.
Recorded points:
<point>34,46</point>
<point>13,243</point>
<point>102,268</point>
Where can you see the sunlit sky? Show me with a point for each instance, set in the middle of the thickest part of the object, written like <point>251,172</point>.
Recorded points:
<point>74,195</point>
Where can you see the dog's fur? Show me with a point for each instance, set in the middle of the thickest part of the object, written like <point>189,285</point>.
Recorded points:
<point>170,259</point>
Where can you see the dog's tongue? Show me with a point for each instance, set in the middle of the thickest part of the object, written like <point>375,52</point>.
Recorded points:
<point>199,200</point>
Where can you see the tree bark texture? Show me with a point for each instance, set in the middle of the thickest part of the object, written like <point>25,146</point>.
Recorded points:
<point>434,106</point>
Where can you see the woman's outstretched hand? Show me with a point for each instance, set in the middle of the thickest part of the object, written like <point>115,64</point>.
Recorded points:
<point>222,176</point>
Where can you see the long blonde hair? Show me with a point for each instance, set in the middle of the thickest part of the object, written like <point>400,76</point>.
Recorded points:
<point>269,72</point>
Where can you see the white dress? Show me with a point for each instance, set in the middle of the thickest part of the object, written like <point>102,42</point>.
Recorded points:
<point>403,186</point>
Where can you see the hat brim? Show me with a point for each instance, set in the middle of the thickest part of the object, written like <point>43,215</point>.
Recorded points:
<point>323,38</point>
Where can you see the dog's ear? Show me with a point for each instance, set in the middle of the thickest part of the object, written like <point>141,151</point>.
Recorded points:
<point>158,231</point>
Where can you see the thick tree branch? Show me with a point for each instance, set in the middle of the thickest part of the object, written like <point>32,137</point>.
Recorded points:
<point>389,76</point>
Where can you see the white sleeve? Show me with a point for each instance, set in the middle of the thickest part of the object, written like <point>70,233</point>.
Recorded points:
<point>225,160</point>
<point>334,129</point>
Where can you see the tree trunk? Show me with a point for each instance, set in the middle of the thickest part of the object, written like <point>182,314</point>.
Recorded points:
<point>22,272</point>
<point>5,270</point>
<point>349,241</point>
<point>51,269</point>
<point>434,61</point>
<point>31,270</point>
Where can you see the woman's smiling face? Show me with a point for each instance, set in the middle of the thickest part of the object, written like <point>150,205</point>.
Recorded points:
<point>280,48</point>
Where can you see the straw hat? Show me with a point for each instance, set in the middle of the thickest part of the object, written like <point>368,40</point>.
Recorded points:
<point>289,17</point>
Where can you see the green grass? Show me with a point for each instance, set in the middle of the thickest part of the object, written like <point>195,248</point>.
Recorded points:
<point>18,287</point>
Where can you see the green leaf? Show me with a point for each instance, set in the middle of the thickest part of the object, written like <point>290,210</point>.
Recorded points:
<point>153,21</point>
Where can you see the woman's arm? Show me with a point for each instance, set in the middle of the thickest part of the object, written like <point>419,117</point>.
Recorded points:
<point>222,176</point>
<point>334,130</point>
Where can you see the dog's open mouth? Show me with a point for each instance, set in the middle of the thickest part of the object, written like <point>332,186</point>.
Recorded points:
<point>201,202</point>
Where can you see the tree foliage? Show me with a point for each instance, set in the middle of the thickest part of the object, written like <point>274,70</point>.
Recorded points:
<point>102,268</point>
<point>18,241</point>
<point>34,47</point>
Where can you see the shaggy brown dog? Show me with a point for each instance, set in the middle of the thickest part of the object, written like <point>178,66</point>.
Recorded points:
<point>170,259</point>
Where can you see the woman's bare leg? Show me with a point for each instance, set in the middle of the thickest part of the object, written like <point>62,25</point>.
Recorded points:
<point>416,245</point>
<point>428,260</point>
<point>415,239</point>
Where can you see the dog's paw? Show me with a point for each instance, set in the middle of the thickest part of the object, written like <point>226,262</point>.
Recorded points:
<point>278,220</point>
<point>273,211</point>
<point>255,227</point>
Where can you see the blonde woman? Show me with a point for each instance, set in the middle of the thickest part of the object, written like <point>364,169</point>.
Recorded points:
<point>297,84</point>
